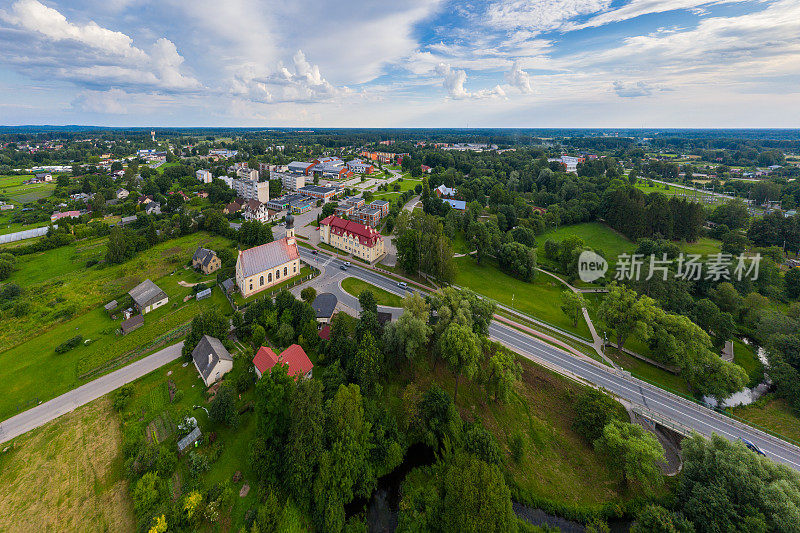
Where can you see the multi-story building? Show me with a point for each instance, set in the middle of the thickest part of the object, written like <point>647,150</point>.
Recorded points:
<point>367,215</point>
<point>261,267</point>
<point>204,176</point>
<point>351,237</point>
<point>247,173</point>
<point>344,210</point>
<point>355,201</point>
<point>360,167</point>
<point>252,190</point>
<point>382,205</point>
<point>290,182</point>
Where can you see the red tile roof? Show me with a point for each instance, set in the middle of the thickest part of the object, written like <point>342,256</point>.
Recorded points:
<point>294,357</point>
<point>265,359</point>
<point>367,236</point>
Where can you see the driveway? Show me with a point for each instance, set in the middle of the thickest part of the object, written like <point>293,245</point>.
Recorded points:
<point>50,410</point>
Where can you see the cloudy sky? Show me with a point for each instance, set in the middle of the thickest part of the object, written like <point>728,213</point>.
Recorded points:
<point>401,63</point>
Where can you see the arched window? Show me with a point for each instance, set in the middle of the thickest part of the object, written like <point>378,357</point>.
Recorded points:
<point>251,285</point>
<point>278,274</point>
<point>285,271</point>
<point>261,281</point>
<point>294,269</point>
<point>269,277</point>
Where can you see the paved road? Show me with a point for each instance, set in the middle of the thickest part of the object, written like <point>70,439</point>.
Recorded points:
<point>47,411</point>
<point>639,393</point>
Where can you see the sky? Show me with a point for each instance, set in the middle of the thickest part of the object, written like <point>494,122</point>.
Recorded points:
<point>401,63</point>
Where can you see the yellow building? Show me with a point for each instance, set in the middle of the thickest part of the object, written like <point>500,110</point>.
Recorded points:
<point>352,238</point>
<point>262,267</point>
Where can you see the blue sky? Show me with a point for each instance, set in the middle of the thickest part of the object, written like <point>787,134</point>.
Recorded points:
<point>398,63</point>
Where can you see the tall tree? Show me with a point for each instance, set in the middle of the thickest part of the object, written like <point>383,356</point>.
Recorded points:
<point>633,451</point>
<point>460,347</point>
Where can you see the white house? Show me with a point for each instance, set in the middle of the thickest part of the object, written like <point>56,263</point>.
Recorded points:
<point>211,359</point>
<point>255,210</point>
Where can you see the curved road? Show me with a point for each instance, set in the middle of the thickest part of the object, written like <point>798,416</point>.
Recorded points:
<point>666,407</point>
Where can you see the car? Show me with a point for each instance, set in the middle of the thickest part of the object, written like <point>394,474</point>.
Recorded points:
<point>403,285</point>
<point>347,263</point>
<point>314,252</point>
<point>343,267</point>
<point>752,447</point>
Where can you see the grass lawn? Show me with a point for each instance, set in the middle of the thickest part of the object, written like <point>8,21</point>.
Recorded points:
<point>406,185</point>
<point>356,286</point>
<point>67,475</point>
<point>745,357</point>
<point>594,234</point>
<point>773,414</point>
<point>650,373</point>
<point>33,371</point>
<point>59,286</point>
<point>558,465</point>
<point>17,193</point>
<point>540,299</point>
<point>460,245</point>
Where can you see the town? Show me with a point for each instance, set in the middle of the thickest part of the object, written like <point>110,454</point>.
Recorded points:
<point>400,267</point>
<point>179,286</point>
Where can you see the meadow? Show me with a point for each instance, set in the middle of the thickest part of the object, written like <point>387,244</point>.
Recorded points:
<point>17,193</point>
<point>355,286</point>
<point>540,299</point>
<point>67,475</point>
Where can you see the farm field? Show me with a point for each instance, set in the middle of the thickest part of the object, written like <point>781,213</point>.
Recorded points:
<point>356,286</point>
<point>17,193</point>
<point>67,475</point>
<point>539,299</point>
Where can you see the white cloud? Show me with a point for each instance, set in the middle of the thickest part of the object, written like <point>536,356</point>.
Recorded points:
<point>453,81</point>
<point>519,79</point>
<point>42,42</point>
<point>300,82</point>
<point>632,90</point>
<point>638,8</point>
<point>540,15</point>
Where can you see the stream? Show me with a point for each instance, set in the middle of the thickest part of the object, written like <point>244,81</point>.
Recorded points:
<point>382,506</point>
<point>747,395</point>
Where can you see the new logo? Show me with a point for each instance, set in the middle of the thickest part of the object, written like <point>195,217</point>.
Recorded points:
<point>591,266</point>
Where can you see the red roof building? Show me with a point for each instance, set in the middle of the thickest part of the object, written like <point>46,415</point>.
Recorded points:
<point>351,237</point>
<point>294,357</point>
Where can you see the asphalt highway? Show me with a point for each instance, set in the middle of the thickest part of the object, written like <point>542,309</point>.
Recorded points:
<point>669,407</point>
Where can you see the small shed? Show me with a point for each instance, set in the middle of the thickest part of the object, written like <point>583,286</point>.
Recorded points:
<point>228,286</point>
<point>110,306</point>
<point>134,322</point>
<point>189,439</point>
<point>202,295</point>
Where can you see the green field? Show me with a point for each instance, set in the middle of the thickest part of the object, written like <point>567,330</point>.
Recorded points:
<point>406,185</point>
<point>596,235</point>
<point>356,286</point>
<point>34,372</point>
<point>6,226</point>
<point>58,286</point>
<point>540,299</point>
<point>17,193</point>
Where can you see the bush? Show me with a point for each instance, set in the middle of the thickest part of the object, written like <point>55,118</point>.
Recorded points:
<point>69,344</point>
<point>197,463</point>
<point>122,396</point>
<point>516,443</point>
